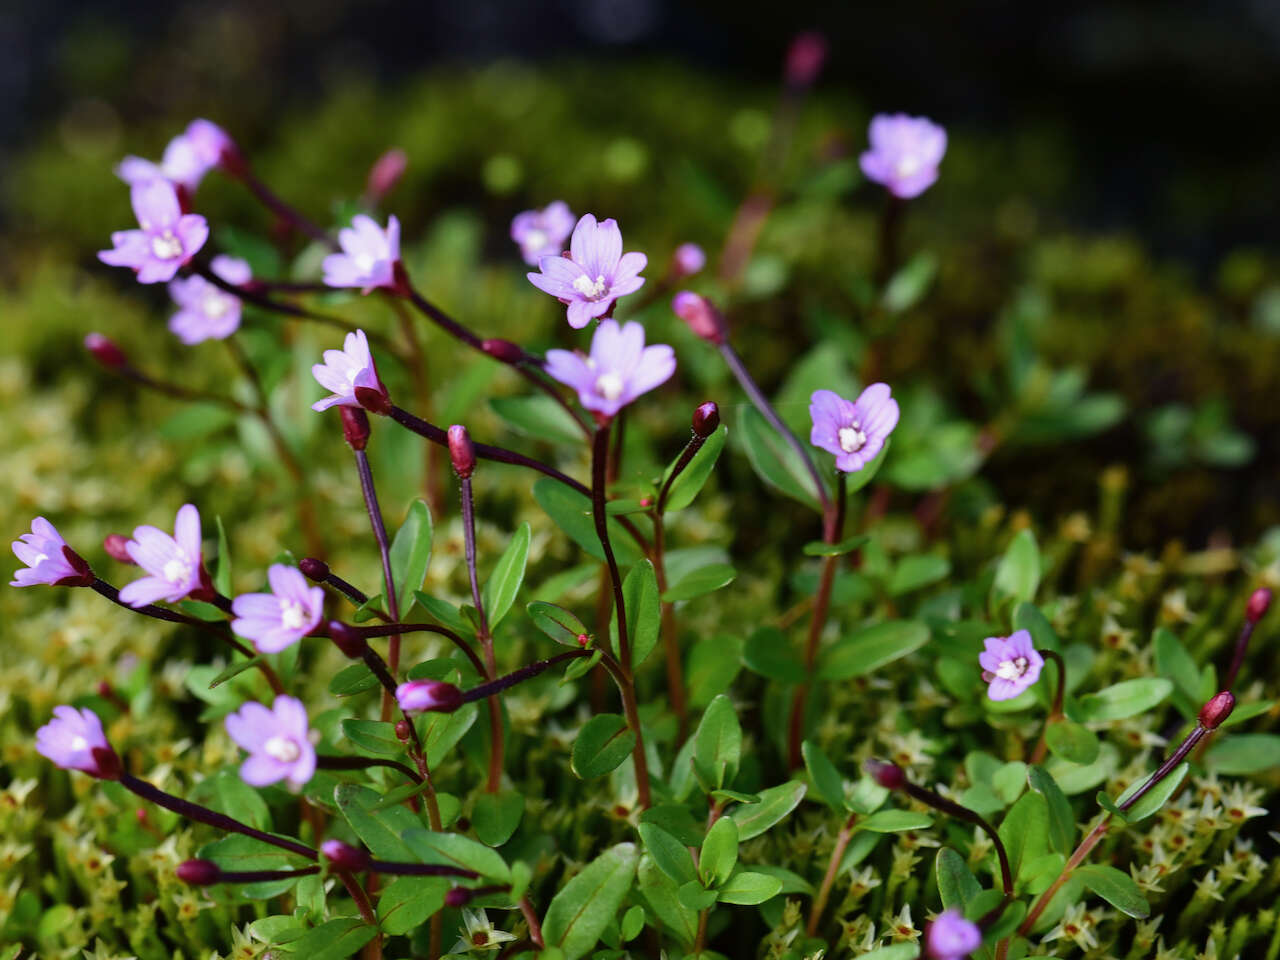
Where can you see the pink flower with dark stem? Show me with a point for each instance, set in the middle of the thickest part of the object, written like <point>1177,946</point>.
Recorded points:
<point>278,741</point>
<point>347,370</point>
<point>1010,664</point>
<point>74,740</point>
<point>853,432</point>
<point>618,369</point>
<point>168,238</point>
<point>951,937</point>
<point>207,312</point>
<point>419,696</point>
<point>369,255</point>
<point>48,559</point>
<point>905,153</point>
<point>282,617</point>
<point>173,563</point>
<point>187,158</point>
<point>595,273</point>
<point>542,233</point>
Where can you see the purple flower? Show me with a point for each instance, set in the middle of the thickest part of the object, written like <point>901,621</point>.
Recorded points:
<point>187,158</point>
<point>542,233</point>
<point>278,741</point>
<point>854,432</point>
<point>688,259</point>
<point>595,273</point>
<point>48,559</point>
<point>167,240</point>
<point>207,311</point>
<point>905,153</point>
<point>74,740</point>
<point>1010,665</point>
<point>418,696</point>
<point>369,255</point>
<point>345,371</point>
<point>282,617</point>
<point>951,937</point>
<point>619,369</point>
<point>172,562</point>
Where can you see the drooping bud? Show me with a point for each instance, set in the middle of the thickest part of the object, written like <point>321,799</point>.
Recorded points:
<point>503,350</point>
<point>347,639</point>
<point>106,351</point>
<point>114,544</point>
<point>462,451</point>
<point>344,856</point>
<point>375,400</point>
<point>355,427</point>
<point>199,873</point>
<point>1259,603</point>
<point>419,696</point>
<point>385,174</point>
<point>314,569</point>
<point>888,775</point>
<point>703,318</point>
<point>706,419</point>
<point>457,897</point>
<point>805,57</point>
<point>1217,709</point>
<point>688,259</point>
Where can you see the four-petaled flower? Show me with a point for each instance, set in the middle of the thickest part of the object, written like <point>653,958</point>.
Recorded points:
<point>542,233</point>
<point>369,255</point>
<point>345,371</point>
<point>595,273</point>
<point>187,158</point>
<point>1010,664</point>
<point>47,557</point>
<point>282,617</point>
<point>905,153</point>
<point>278,741</point>
<point>74,740</point>
<point>619,368</point>
<point>207,312</point>
<point>168,238</point>
<point>853,432</point>
<point>951,937</point>
<point>173,562</point>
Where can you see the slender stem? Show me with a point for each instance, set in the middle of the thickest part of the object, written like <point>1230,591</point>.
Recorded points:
<point>1055,711</point>
<point>417,362</point>
<point>531,918</point>
<point>352,593</point>
<point>398,868</point>
<point>1237,658</point>
<point>833,867</point>
<point>939,802</point>
<point>403,628</point>
<point>1165,768</point>
<point>686,456</point>
<point>283,210</point>
<point>670,635</point>
<point>890,229</point>
<point>364,763</point>
<point>496,743</point>
<point>497,685</point>
<point>259,876</point>
<point>388,578</point>
<point>360,897</point>
<point>251,293</point>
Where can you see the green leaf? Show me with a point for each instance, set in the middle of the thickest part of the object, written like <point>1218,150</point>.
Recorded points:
<point>1125,699</point>
<point>222,570</point>
<point>644,612</point>
<point>1173,661</point>
<point>768,653</point>
<point>871,648</point>
<point>893,821</point>
<point>203,611</point>
<point>334,939</point>
<point>1117,888</point>
<point>408,902</point>
<point>602,744</point>
<point>856,481</point>
<point>1155,798</point>
<point>1247,711</point>
<point>411,553</point>
<point>1018,574</point>
<point>1009,780</point>
<point>586,905</point>
<point>504,583</point>
<point>691,480</point>
<point>1028,617</point>
<point>632,923</point>
<point>1062,823</point>
<point>1243,753</point>
<point>825,777</point>
<point>455,850</point>
<point>820,548</point>
<point>956,883</point>
<point>746,888</point>
<point>400,794</point>
<point>717,745</point>
<point>774,460</point>
<point>571,512</point>
<point>898,951</point>
<point>380,830</point>
<point>1025,831</point>
<point>440,732</point>
<point>916,571</point>
<point>695,896</point>
<point>909,284</point>
<point>668,853</point>
<point>373,738</point>
<point>538,416</point>
<point>496,816</point>
<point>701,581</point>
<point>442,611</point>
<point>719,853</point>
<point>351,680</point>
<point>774,806</point>
<point>232,796</point>
<point>659,893</point>
<point>556,622</point>
<point>1072,742</point>
<point>237,852</point>
<point>234,670</point>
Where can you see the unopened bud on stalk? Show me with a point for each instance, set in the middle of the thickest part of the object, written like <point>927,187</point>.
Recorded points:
<point>419,696</point>
<point>458,897</point>
<point>461,451</point>
<point>888,775</point>
<point>386,173</point>
<point>402,730</point>
<point>805,57</point>
<point>344,856</point>
<point>199,873</point>
<point>1259,603</point>
<point>106,351</point>
<point>706,419</point>
<point>313,569</point>
<point>114,545</point>
<point>347,639</point>
<point>701,316</point>
<point>355,427</point>
<point>1215,712</point>
<point>503,350</point>
<point>688,259</point>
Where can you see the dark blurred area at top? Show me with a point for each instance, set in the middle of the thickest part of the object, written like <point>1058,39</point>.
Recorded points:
<point>1169,108</point>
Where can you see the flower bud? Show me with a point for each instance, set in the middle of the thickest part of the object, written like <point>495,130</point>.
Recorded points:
<point>355,427</point>
<point>503,350</point>
<point>347,639</point>
<point>1216,711</point>
<point>402,730</point>
<point>1259,602</point>
<point>314,569</point>
<point>457,897</point>
<point>688,259</point>
<point>888,775</point>
<point>706,419</point>
<point>461,451</point>
<point>374,400</point>
<point>199,873</point>
<point>805,57</point>
<point>106,351</point>
<point>419,696</point>
<point>386,173</point>
<point>703,318</point>
<point>114,544</point>
<point>344,856</point>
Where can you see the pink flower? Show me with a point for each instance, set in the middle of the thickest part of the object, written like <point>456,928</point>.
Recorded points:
<point>595,273</point>
<point>951,937</point>
<point>905,153</point>
<point>207,312</point>
<point>172,562</point>
<point>187,158</point>
<point>418,696</point>
<point>278,741</point>
<point>282,617</point>
<point>854,432</point>
<point>74,740</point>
<point>1010,665</point>
<point>688,259</point>
<point>48,559</point>
<point>619,368</point>
<point>369,255</point>
<point>345,371</point>
<point>542,233</point>
<point>168,238</point>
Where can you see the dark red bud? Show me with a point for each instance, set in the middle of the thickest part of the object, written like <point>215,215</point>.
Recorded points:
<point>1219,707</point>
<point>402,730</point>
<point>457,897</point>
<point>462,451</point>
<point>107,762</point>
<point>355,427</point>
<point>313,569</point>
<point>106,352</point>
<point>1259,603</point>
<point>199,873</point>
<point>583,639</point>
<point>805,57</point>
<point>706,419</point>
<point>888,775</point>
<point>114,544</point>
<point>344,856</point>
<point>375,401</point>
<point>347,639</point>
<point>503,350</point>
<point>701,316</point>
<point>386,173</point>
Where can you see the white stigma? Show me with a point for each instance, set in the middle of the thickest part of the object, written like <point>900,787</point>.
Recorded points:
<point>852,438</point>
<point>177,570</point>
<point>908,166</point>
<point>609,386</point>
<point>39,559</point>
<point>215,305</point>
<point>590,289</point>
<point>364,262</point>
<point>535,239</point>
<point>1012,669</point>
<point>166,246</point>
<point>282,749</point>
<point>79,743</point>
<point>292,616</point>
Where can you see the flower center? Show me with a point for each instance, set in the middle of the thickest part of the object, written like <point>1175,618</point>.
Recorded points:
<point>39,559</point>
<point>292,616</point>
<point>215,305</point>
<point>282,749</point>
<point>364,262</point>
<point>166,246</point>
<point>535,239</point>
<point>178,569</point>
<point>609,386</point>
<point>907,166</point>
<point>591,289</point>
<point>852,438</point>
<point>1012,669</point>
<point>79,743</point>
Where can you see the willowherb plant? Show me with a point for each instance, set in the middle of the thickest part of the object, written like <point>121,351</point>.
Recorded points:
<point>712,837</point>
